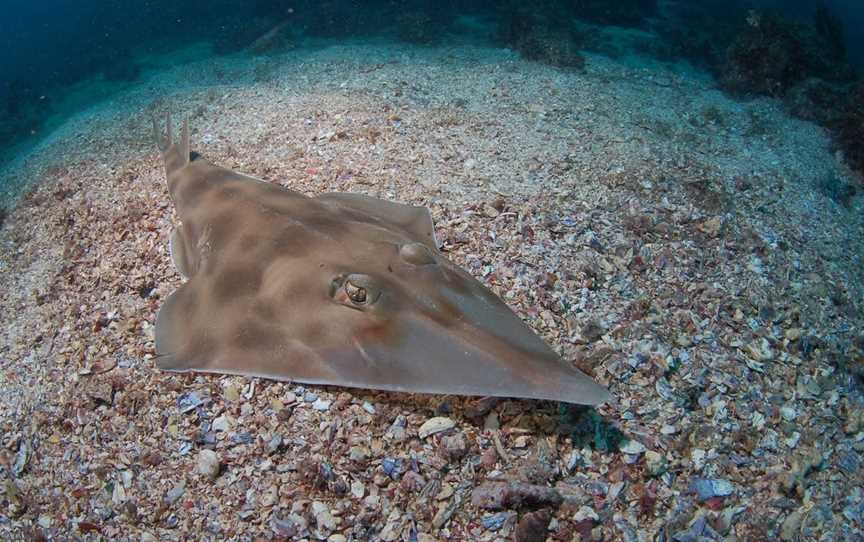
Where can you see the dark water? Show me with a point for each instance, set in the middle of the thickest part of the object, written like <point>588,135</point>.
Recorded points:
<point>804,52</point>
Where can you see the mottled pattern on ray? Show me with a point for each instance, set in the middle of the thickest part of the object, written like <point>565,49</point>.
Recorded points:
<point>341,289</point>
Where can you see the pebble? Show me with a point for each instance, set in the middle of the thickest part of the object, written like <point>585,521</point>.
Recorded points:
<point>454,446</point>
<point>788,412</point>
<point>495,522</point>
<point>533,527</point>
<point>760,350</point>
<point>222,423</point>
<point>697,455</point>
<point>791,526</point>
<point>208,464</point>
<point>508,495</point>
<point>337,538</point>
<point>358,453</point>
<point>231,393</point>
<point>368,407</point>
<point>174,494</point>
<point>585,512</point>
<point>849,462</point>
<point>707,488</point>
<point>655,463</point>
<point>632,447</point>
<point>435,425</point>
<point>274,444</point>
<point>323,518</point>
<point>357,489</point>
<point>392,467</point>
<point>321,405</point>
<point>445,493</point>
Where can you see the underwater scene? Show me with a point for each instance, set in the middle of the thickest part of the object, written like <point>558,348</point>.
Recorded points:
<point>567,270</point>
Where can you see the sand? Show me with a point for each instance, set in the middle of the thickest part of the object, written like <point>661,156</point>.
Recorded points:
<point>670,241</point>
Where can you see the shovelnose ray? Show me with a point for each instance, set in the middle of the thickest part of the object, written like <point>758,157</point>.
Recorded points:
<point>340,289</point>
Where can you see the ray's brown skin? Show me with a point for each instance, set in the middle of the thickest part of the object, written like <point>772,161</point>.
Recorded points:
<point>340,289</point>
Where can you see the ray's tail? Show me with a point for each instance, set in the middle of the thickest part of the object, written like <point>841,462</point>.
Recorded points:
<point>175,154</point>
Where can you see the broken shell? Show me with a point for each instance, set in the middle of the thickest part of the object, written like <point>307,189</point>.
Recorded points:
<point>435,425</point>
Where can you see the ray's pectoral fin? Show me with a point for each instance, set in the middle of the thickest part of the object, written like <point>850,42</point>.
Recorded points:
<point>172,326</point>
<point>427,359</point>
<point>414,219</point>
<point>184,260</point>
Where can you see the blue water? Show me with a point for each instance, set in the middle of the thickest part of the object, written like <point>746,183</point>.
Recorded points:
<point>46,47</point>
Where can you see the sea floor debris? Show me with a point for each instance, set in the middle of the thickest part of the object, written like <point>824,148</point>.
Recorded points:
<point>686,265</point>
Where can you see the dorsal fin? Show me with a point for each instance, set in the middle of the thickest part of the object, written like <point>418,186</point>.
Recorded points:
<point>414,219</point>
<point>175,155</point>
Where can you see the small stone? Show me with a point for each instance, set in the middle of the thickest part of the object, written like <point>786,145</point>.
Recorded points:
<point>668,429</point>
<point>491,422</point>
<point>655,463</point>
<point>759,350</point>
<point>223,423</point>
<point>454,446</point>
<point>270,497</point>
<point>323,517</point>
<point>585,512</point>
<point>208,464</point>
<point>711,227</point>
<point>358,453</point>
<point>632,447</point>
<point>507,495</point>
<point>290,398</point>
<point>706,489</point>
<point>274,444</point>
<point>321,405</point>
<point>392,467</point>
<point>357,489</point>
<point>231,393</point>
<point>495,522</point>
<point>791,526</point>
<point>445,493</point>
<point>412,482</point>
<point>793,334</point>
<point>21,458</point>
<point>337,538</point>
<point>368,407</point>
<point>697,456</point>
<point>287,527</point>
<point>533,527</point>
<point>489,457</point>
<point>174,494</point>
<point>593,331</point>
<point>100,392</point>
<point>788,412</point>
<point>435,425</point>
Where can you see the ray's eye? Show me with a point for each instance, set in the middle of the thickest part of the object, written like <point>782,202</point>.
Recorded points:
<point>355,293</point>
<point>355,290</point>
